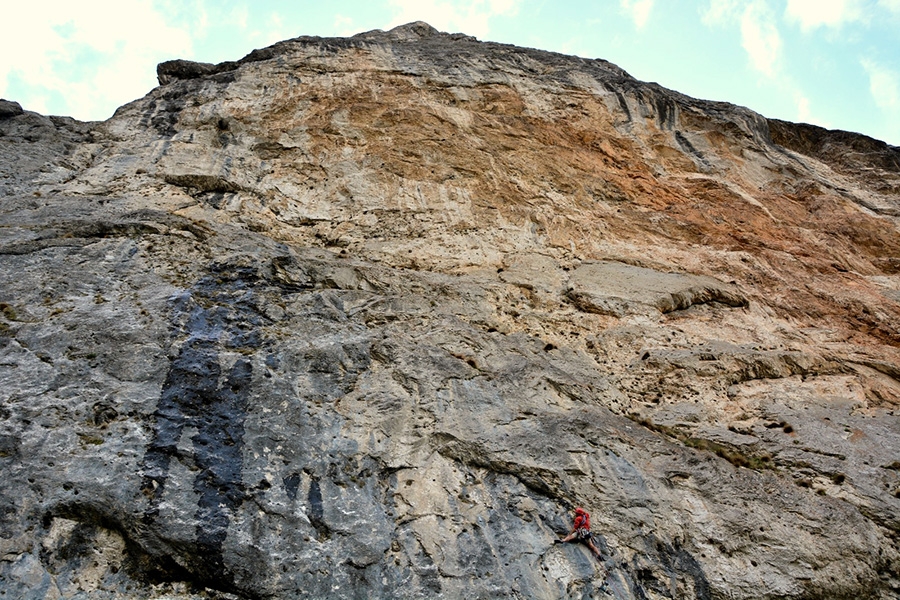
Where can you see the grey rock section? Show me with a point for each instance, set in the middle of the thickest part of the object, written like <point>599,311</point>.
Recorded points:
<point>857,156</point>
<point>39,149</point>
<point>214,408</point>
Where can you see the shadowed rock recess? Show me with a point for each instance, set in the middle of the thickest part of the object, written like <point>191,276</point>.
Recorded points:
<point>368,317</point>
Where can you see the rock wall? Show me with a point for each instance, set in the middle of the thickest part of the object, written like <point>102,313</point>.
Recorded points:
<point>369,317</point>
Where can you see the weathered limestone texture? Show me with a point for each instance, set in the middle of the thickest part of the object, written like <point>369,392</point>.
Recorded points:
<point>368,317</point>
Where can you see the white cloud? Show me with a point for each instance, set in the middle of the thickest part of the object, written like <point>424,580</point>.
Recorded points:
<point>804,112</point>
<point>639,10</point>
<point>344,26</point>
<point>468,16</point>
<point>762,41</point>
<point>891,5</point>
<point>760,38</point>
<point>884,84</point>
<point>91,55</point>
<point>721,12</point>
<point>811,14</point>
<point>759,31</point>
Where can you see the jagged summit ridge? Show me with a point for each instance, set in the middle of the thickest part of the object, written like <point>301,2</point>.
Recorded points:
<point>444,47</point>
<point>368,317</point>
<point>413,31</point>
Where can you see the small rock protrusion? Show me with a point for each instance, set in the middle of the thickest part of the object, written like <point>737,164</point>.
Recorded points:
<point>414,30</point>
<point>9,109</point>
<point>173,70</point>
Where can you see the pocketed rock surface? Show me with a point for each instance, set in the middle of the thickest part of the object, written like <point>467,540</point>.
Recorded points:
<point>368,318</point>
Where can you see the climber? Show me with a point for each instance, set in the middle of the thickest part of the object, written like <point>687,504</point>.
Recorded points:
<point>581,531</point>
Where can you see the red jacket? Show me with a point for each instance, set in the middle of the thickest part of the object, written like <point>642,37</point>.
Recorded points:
<point>582,519</point>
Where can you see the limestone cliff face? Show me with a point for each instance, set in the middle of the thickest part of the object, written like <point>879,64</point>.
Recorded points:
<point>368,317</point>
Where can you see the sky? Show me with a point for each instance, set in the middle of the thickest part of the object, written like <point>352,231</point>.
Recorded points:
<point>834,63</point>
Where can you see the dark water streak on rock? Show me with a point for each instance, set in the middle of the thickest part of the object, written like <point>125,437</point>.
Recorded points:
<point>212,317</point>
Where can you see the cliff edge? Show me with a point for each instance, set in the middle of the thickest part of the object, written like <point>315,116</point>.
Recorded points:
<point>369,316</point>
